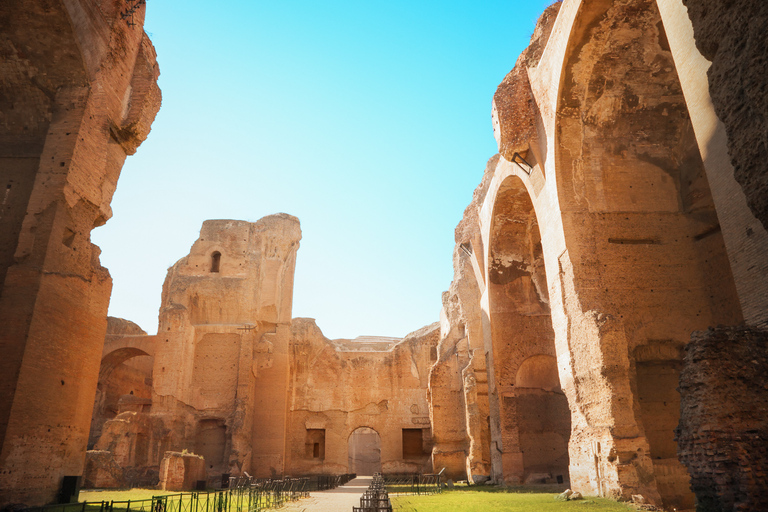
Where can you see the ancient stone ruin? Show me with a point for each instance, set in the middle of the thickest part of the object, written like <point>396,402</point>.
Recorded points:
<point>604,330</point>
<point>78,93</point>
<point>239,382</point>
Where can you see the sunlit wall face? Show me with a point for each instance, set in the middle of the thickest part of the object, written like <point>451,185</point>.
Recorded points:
<point>368,121</point>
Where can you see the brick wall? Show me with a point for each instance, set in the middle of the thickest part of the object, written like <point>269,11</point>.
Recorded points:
<point>723,433</point>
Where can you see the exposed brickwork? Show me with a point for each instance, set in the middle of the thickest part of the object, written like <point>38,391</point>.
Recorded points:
<point>515,113</point>
<point>732,35</point>
<point>79,93</point>
<point>723,432</point>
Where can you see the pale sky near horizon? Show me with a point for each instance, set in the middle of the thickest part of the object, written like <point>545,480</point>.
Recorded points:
<point>370,122</point>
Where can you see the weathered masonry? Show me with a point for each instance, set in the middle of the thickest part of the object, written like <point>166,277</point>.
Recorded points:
<point>236,380</point>
<point>78,93</point>
<point>611,227</point>
<point>613,253</point>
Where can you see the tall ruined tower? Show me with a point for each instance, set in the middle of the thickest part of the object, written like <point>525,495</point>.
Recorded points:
<point>221,367</point>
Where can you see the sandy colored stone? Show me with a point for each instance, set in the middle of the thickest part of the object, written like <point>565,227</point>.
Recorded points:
<point>181,471</point>
<point>578,280</point>
<point>102,471</point>
<point>369,391</point>
<point>78,94</point>
<point>240,383</point>
<point>125,374</point>
<point>587,272</point>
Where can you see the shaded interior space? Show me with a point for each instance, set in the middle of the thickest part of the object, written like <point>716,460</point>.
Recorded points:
<point>364,445</point>
<point>125,384</point>
<point>658,368</point>
<point>544,421</point>
<point>315,444</point>
<point>413,443</point>
<point>211,443</point>
<point>534,413</point>
<point>639,215</point>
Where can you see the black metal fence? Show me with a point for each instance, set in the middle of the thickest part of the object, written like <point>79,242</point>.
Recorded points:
<point>246,494</point>
<point>376,498</point>
<point>413,484</point>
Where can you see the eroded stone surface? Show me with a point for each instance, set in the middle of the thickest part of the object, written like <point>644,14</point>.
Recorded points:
<point>723,426</point>
<point>78,93</point>
<point>732,36</point>
<point>181,471</point>
<point>240,383</point>
<point>590,268</point>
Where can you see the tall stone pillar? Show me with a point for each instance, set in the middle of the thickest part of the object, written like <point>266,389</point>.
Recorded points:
<point>79,91</point>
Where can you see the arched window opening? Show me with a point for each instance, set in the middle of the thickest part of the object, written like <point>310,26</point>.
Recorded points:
<point>215,261</point>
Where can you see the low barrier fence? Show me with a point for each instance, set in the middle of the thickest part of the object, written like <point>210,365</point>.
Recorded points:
<point>376,498</point>
<point>413,484</point>
<point>244,495</point>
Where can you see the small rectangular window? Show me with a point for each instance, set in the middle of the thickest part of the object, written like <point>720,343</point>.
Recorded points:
<point>316,451</point>
<point>413,443</point>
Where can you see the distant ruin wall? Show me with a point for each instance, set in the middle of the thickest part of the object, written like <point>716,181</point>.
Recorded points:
<point>723,433</point>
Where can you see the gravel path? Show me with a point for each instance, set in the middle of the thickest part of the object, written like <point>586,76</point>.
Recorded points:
<point>341,499</point>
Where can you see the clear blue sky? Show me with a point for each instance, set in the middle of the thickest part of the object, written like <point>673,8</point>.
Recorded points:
<point>369,121</point>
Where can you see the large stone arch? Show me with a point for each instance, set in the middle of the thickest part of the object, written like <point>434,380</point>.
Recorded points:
<point>646,263</point>
<point>116,358</point>
<point>520,329</point>
<point>628,177</point>
<point>744,234</point>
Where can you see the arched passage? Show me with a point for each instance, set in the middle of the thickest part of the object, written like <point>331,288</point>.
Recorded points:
<point>125,370</point>
<point>115,359</point>
<point>364,445</point>
<point>643,237</point>
<point>534,419</point>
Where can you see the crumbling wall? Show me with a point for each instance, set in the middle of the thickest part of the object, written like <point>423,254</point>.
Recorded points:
<point>340,388</point>
<point>643,235</point>
<point>102,471</point>
<point>723,423</point>
<point>219,381</point>
<point>181,471</point>
<point>732,36</point>
<point>459,378</point>
<point>126,369</point>
<point>78,94</point>
<point>221,364</point>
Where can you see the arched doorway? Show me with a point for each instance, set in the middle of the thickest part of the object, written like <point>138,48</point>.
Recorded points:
<point>125,372</point>
<point>364,446</point>
<point>534,418</point>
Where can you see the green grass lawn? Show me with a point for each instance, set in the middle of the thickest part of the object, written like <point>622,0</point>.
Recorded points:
<point>130,494</point>
<point>494,499</point>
